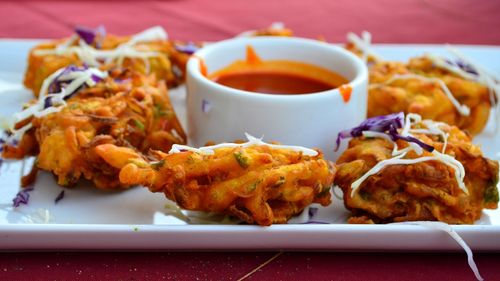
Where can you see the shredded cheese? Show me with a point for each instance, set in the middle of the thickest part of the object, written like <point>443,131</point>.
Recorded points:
<point>441,226</point>
<point>372,134</point>
<point>77,78</point>
<point>433,129</point>
<point>399,154</point>
<point>277,25</point>
<point>210,150</point>
<point>94,57</point>
<point>40,216</point>
<point>274,26</point>
<point>491,81</point>
<point>442,63</point>
<point>363,44</point>
<point>462,109</point>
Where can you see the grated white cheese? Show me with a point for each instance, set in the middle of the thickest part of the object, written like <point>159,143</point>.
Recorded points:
<point>94,57</point>
<point>433,128</point>
<point>462,109</point>
<point>155,33</point>
<point>363,44</point>
<point>210,150</point>
<point>372,134</point>
<point>441,226</point>
<point>277,25</point>
<point>399,161</point>
<point>491,81</point>
<point>442,63</point>
<point>273,26</point>
<point>37,110</point>
<point>367,38</point>
<point>41,216</point>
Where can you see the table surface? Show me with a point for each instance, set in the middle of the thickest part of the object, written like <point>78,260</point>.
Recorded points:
<point>389,21</point>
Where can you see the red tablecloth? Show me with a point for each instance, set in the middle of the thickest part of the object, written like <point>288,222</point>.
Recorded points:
<point>390,21</point>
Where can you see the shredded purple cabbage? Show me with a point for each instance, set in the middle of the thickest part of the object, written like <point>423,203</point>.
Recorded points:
<point>393,133</point>
<point>316,222</point>
<point>95,78</point>
<point>91,35</point>
<point>86,34</point>
<point>4,140</point>
<point>22,197</point>
<point>377,124</point>
<point>463,65</point>
<point>189,48</point>
<point>47,102</point>
<point>57,85</point>
<point>59,197</point>
<point>205,106</point>
<point>313,211</point>
<point>388,124</point>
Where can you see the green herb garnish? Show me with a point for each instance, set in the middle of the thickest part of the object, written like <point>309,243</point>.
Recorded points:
<point>158,165</point>
<point>241,159</point>
<point>138,124</point>
<point>253,186</point>
<point>491,193</point>
<point>158,111</point>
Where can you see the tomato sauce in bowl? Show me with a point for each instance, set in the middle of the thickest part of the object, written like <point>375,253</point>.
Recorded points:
<point>281,77</point>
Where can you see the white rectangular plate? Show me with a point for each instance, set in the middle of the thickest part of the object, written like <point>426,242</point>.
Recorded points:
<point>87,218</point>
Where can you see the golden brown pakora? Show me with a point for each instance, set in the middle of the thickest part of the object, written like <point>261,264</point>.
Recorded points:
<point>433,87</point>
<point>124,108</point>
<point>258,183</point>
<point>149,52</point>
<point>423,171</point>
<point>419,87</point>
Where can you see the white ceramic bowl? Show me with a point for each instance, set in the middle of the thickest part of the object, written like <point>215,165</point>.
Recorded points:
<point>223,114</point>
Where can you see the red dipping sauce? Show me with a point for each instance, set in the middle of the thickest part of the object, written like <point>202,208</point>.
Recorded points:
<point>279,77</point>
<point>273,83</point>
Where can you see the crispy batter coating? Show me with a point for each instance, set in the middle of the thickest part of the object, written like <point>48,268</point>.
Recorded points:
<point>427,99</point>
<point>169,65</point>
<point>257,184</point>
<point>422,191</point>
<point>424,98</point>
<point>126,109</point>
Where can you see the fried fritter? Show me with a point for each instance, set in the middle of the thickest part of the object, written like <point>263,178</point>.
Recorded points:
<point>425,190</point>
<point>412,94</point>
<point>146,55</point>
<point>259,184</point>
<point>125,109</point>
<point>427,86</point>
